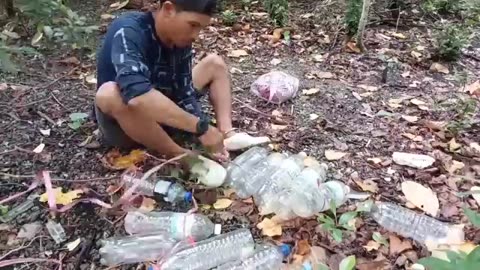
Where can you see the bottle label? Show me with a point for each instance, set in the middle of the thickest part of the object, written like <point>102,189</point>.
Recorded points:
<point>182,225</point>
<point>161,188</point>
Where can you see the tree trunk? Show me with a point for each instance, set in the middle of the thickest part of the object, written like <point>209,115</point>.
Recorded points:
<point>362,24</point>
<point>9,8</point>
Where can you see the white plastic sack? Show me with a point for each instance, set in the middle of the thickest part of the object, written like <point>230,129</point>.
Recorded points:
<point>275,87</point>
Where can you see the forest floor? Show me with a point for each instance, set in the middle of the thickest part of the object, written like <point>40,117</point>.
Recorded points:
<point>360,108</point>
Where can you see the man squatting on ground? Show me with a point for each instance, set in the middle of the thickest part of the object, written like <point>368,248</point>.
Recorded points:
<point>147,87</point>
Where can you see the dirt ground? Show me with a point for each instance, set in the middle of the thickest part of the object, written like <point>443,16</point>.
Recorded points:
<point>359,104</point>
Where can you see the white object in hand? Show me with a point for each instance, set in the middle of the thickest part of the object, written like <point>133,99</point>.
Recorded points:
<point>243,140</point>
<point>209,172</point>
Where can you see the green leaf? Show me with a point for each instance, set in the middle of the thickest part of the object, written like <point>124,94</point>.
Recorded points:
<point>326,219</point>
<point>3,210</point>
<point>474,256</point>
<point>322,266</point>
<point>333,208</point>
<point>346,217</point>
<point>75,125</point>
<point>377,237</point>
<point>433,263</point>
<point>78,116</point>
<point>453,256</point>
<point>348,263</point>
<point>473,216</point>
<point>337,235</point>
<point>365,206</point>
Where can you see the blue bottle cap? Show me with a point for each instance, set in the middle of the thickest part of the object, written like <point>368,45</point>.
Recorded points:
<point>285,249</point>
<point>150,267</point>
<point>307,266</point>
<point>188,197</point>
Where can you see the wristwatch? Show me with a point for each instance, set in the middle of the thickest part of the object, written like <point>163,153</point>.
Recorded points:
<point>202,126</point>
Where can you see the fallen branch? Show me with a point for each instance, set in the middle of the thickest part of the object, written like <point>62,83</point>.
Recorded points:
<point>59,179</point>
<point>19,248</point>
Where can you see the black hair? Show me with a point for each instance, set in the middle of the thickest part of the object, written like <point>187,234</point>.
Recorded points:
<point>206,7</point>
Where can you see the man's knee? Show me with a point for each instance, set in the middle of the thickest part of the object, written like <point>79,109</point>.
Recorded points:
<point>216,62</point>
<point>108,98</point>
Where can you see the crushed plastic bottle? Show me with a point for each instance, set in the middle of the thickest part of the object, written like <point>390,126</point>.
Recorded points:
<point>276,181</point>
<point>179,226</point>
<point>210,253</point>
<point>410,224</point>
<point>56,231</point>
<point>246,172</point>
<point>137,248</point>
<point>168,191</point>
<point>267,257</point>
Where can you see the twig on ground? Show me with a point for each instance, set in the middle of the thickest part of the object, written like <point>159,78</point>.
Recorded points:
<point>31,103</point>
<point>59,103</point>
<point>61,180</point>
<point>253,109</point>
<point>19,248</point>
<point>158,167</point>
<point>46,117</point>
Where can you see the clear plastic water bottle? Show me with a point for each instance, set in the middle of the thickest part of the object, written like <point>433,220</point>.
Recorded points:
<point>276,180</point>
<point>246,172</point>
<point>408,223</point>
<point>179,226</point>
<point>212,252</point>
<point>265,258</point>
<point>137,248</point>
<point>168,191</point>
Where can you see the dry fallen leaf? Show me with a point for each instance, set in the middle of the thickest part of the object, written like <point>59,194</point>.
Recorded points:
<point>62,198</point>
<point>117,161</point>
<point>440,252</point>
<point>269,228</point>
<point>303,248</point>
<point>352,47</point>
<point>107,16</point>
<point>417,102</point>
<point>374,160</point>
<point>147,204</point>
<point>3,86</point>
<point>314,116</point>
<point>368,88</point>
<point>279,127</point>
<point>410,119</point>
<point>453,145</point>
<point>422,197</point>
<point>222,203</point>
<point>372,245</point>
<point>374,265</point>
<point>91,79</point>
<point>398,35</point>
<point>435,125</point>
<point>238,53</point>
<point>74,244</point>
<point>324,75</point>
<point>437,67</point>
<point>413,137</point>
<point>397,246</point>
<point>311,91</point>
<point>476,194</point>
<point>317,58</point>
<point>367,185</point>
<point>455,166</point>
<point>332,155</point>
<point>119,5</point>
<point>39,148</point>
<point>473,88</point>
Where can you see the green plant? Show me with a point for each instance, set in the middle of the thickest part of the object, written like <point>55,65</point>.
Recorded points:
<point>450,41</point>
<point>443,6</point>
<point>229,17</point>
<point>337,226</point>
<point>465,109</point>
<point>472,216</point>
<point>456,260</point>
<point>352,16</point>
<point>278,11</point>
<point>246,4</point>
<point>77,120</point>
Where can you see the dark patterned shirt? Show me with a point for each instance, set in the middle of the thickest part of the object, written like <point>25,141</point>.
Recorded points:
<point>135,58</point>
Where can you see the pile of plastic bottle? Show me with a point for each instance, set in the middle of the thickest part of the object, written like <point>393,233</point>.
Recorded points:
<point>285,184</point>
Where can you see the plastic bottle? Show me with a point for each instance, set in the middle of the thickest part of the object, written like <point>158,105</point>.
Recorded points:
<point>168,191</point>
<point>179,226</point>
<point>137,248</point>
<point>243,140</point>
<point>215,251</point>
<point>408,223</point>
<point>248,171</point>
<point>276,180</point>
<point>264,258</point>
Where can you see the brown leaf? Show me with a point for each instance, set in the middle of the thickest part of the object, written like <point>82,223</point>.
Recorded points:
<point>147,204</point>
<point>367,185</point>
<point>241,209</point>
<point>420,196</point>
<point>473,88</point>
<point>410,119</point>
<point>303,247</point>
<point>119,162</point>
<point>453,145</point>
<point>436,125</point>
<point>237,53</point>
<point>332,155</point>
<point>311,91</point>
<point>373,265</point>
<point>372,245</point>
<point>269,228</point>
<point>222,204</point>
<point>206,196</point>
<point>70,60</point>
<point>119,5</point>
<point>369,88</point>
<point>449,210</point>
<point>437,67</point>
<point>324,75</point>
<point>112,189</point>
<point>277,35</point>
<point>352,47</point>
<point>225,215</point>
<point>397,246</point>
<point>3,86</point>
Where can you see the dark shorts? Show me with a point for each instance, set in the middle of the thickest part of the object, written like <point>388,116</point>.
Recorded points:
<point>113,135</point>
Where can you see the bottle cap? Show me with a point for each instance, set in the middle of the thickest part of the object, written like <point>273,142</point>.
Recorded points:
<point>188,197</point>
<point>285,249</point>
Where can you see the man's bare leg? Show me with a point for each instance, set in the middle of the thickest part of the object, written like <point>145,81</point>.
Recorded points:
<point>212,72</point>
<point>136,125</point>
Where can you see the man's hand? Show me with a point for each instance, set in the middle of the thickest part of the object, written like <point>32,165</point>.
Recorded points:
<point>213,140</point>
